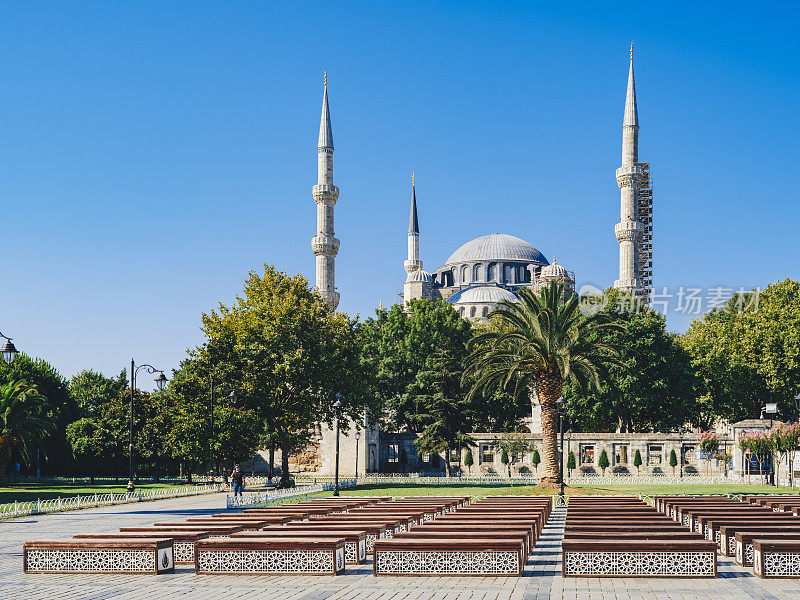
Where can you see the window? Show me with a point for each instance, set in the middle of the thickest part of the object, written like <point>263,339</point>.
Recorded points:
<point>620,454</point>
<point>527,276</point>
<point>426,457</point>
<point>461,311</point>
<point>485,311</point>
<point>453,455</point>
<point>492,272</point>
<point>394,453</point>
<point>476,273</point>
<point>509,274</point>
<point>654,454</point>
<point>587,454</point>
<point>487,456</point>
<point>516,457</point>
<point>464,274</point>
<point>689,456</point>
<point>473,311</point>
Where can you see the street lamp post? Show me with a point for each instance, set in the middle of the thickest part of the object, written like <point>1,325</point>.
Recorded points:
<point>8,350</point>
<point>560,404</point>
<point>160,381</point>
<point>337,405</point>
<point>358,437</point>
<point>681,431</point>
<point>458,435</point>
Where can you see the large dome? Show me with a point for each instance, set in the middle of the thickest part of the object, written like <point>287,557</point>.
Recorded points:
<point>482,294</point>
<point>497,247</point>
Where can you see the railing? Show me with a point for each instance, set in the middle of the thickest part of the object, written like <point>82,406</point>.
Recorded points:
<point>35,507</point>
<point>276,497</point>
<point>401,479</point>
<point>651,479</point>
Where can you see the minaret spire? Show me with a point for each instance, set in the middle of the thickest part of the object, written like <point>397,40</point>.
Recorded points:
<point>413,263</point>
<point>324,245</point>
<point>630,177</point>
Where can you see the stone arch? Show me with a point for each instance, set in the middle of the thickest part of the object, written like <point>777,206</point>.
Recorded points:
<point>492,276</point>
<point>485,311</point>
<point>473,311</point>
<point>464,274</point>
<point>476,273</point>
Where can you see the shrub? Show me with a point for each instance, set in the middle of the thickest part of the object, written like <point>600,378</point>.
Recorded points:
<point>637,460</point>
<point>603,461</point>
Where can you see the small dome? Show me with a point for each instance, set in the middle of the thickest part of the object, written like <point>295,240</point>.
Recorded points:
<point>499,247</point>
<point>420,275</point>
<point>482,294</point>
<point>554,270</point>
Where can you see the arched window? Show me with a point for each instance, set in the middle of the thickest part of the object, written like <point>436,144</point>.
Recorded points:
<point>464,274</point>
<point>509,272</point>
<point>492,272</point>
<point>485,311</point>
<point>472,311</point>
<point>476,273</point>
<point>461,311</point>
<point>527,276</point>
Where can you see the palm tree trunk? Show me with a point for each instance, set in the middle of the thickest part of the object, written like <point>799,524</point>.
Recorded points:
<point>548,389</point>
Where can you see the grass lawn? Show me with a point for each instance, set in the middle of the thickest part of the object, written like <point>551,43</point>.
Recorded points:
<point>528,490</point>
<point>25,492</point>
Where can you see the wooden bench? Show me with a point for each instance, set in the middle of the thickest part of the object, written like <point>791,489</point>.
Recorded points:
<point>402,523</point>
<point>744,543</point>
<point>151,556</point>
<point>455,556</point>
<point>372,531</point>
<point>246,524</point>
<point>479,530</point>
<point>458,520</point>
<point>711,524</point>
<point>274,555</point>
<point>639,558</point>
<point>212,530</point>
<point>355,542</point>
<point>776,558</point>
<point>633,535</point>
<point>728,531</point>
<point>468,533</point>
<point>182,541</point>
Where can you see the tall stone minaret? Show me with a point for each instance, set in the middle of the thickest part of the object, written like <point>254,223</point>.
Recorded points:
<point>630,176</point>
<point>413,263</point>
<point>324,244</point>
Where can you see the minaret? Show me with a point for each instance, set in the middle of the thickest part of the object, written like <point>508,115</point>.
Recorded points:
<point>324,244</point>
<point>413,263</point>
<point>630,177</point>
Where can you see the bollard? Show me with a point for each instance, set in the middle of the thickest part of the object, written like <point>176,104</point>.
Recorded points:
<point>16,508</point>
<point>38,505</point>
<point>97,503</point>
<point>59,503</point>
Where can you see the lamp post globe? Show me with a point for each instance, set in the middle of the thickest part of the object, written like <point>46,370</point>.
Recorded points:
<point>9,351</point>
<point>233,397</point>
<point>161,381</point>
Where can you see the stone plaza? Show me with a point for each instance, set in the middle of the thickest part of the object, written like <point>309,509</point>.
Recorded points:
<point>541,579</point>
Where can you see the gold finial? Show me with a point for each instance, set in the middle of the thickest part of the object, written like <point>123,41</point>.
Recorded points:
<point>380,306</point>
<point>412,179</point>
<point>631,50</point>
<point>326,72</point>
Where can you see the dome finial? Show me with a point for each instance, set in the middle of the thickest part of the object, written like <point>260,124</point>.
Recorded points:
<point>325,71</point>
<point>380,306</point>
<point>554,258</point>
<point>412,178</point>
<point>631,49</point>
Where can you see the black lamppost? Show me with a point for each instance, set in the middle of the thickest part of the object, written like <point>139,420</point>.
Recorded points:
<point>358,437</point>
<point>681,431</point>
<point>458,436</point>
<point>8,350</point>
<point>560,403</point>
<point>337,405</point>
<point>160,381</point>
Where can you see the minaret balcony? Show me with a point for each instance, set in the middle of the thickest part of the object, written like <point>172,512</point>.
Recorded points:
<point>629,285</point>
<point>324,245</point>
<point>629,231</point>
<point>325,194</point>
<point>412,265</point>
<point>630,175</point>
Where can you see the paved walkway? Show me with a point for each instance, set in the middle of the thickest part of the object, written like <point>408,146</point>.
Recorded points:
<point>542,579</point>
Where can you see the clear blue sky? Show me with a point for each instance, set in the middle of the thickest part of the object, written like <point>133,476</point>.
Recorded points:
<point>151,153</point>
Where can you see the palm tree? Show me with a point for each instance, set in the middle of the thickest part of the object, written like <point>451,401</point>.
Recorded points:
<point>539,343</point>
<point>24,422</point>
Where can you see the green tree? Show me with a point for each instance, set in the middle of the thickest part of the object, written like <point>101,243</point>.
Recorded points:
<point>89,390</point>
<point>468,460</point>
<point>441,411</point>
<point>603,460</point>
<point>570,462</point>
<point>543,343</point>
<point>61,408</point>
<point>673,460</point>
<point>26,422</point>
<point>786,442</point>
<point>288,355</point>
<point>513,445</point>
<point>637,460</point>
<point>653,386</point>
<point>506,461</point>
<point>747,352</point>
<point>536,459</point>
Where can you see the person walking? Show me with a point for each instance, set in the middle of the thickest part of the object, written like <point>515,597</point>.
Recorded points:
<point>237,480</point>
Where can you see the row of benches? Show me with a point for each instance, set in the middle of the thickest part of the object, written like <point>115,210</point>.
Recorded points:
<point>762,532</point>
<point>619,536</point>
